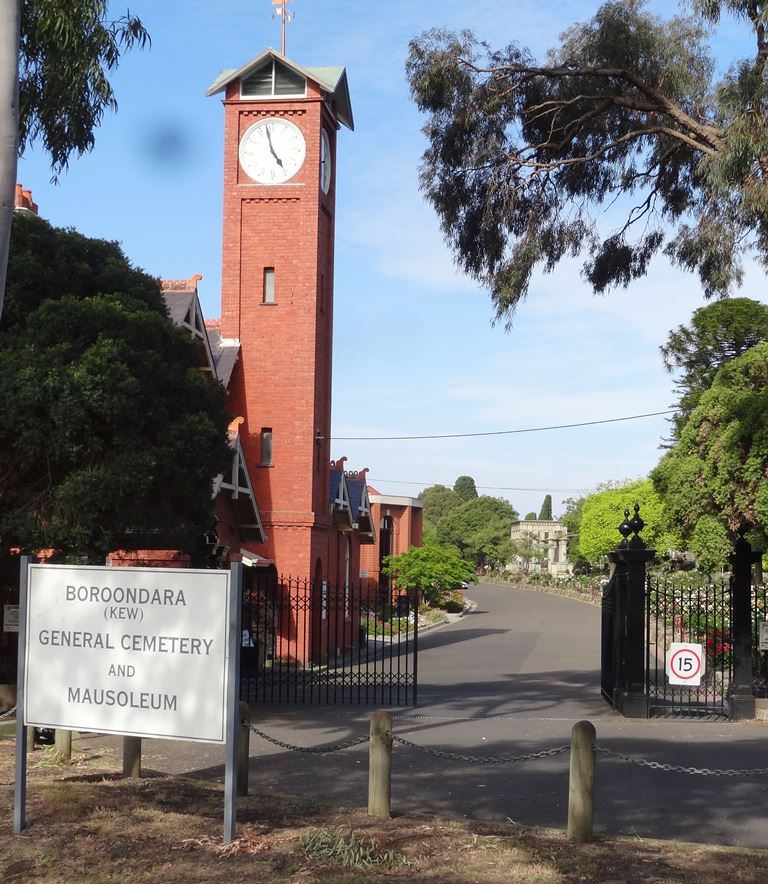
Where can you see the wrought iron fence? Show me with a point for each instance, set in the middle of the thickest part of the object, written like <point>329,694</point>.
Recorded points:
<point>307,642</point>
<point>698,614</point>
<point>759,658</point>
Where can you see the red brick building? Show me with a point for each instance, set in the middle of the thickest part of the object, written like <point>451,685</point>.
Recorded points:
<point>400,525</point>
<point>281,123</point>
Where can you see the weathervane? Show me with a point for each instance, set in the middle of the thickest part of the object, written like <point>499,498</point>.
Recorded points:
<point>282,12</point>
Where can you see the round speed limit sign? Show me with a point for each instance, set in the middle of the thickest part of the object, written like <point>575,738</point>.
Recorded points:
<point>685,663</point>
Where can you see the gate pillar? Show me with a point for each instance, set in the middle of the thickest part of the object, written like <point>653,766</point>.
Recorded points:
<point>741,698</point>
<point>630,559</point>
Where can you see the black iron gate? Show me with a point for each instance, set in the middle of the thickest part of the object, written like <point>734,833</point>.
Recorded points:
<point>306,642</point>
<point>700,615</point>
<point>609,650</point>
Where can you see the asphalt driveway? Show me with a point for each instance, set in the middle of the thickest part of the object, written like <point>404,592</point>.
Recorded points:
<point>510,678</point>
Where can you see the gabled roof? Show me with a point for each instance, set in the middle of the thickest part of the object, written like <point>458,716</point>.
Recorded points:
<point>360,506</point>
<point>341,511</point>
<point>238,483</point>
<point>332,80</point>
<point>225,352</point>
<point>180,296</point>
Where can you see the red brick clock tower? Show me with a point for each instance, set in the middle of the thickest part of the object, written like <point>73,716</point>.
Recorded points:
<point>281,122</point>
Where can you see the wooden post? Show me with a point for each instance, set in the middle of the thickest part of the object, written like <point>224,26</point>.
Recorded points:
<point>30,739</point>
<point>581,783</point>
<point>380,765</point>
<point>63,743</point>
<point>131,756</point>
<point>243,740</point>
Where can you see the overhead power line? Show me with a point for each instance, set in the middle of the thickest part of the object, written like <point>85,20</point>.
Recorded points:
<point>374,480</point>
<point>608,420</point>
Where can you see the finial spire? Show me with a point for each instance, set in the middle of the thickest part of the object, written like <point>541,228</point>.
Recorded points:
<point>282,12</point>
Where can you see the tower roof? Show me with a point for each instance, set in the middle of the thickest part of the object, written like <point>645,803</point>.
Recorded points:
<point>332,80</point>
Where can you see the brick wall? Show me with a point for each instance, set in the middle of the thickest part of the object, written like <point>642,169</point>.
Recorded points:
<point>283,379</point>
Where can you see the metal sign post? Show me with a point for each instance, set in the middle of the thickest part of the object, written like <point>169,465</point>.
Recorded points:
<point>233,700</point>
<point>20,792</point>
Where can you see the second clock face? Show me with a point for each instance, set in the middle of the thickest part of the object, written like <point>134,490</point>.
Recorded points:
<point>272,151</point>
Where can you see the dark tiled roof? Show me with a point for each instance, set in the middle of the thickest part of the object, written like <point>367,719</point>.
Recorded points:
<point>225,355</point>
<point>355,487</point>
<point>178,304</point>
<point>335,484</point>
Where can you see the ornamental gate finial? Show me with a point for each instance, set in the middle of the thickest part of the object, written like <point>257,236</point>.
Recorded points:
<point>632,526</point>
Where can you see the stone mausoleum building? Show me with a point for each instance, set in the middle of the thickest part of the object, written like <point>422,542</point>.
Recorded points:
<point>547,542</point>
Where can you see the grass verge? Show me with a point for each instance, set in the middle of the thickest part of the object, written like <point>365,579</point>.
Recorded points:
<point>88,825</point>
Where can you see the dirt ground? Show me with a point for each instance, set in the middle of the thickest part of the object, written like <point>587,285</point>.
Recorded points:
<point>85,823</point>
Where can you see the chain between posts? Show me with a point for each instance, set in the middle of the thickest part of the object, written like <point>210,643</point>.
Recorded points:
<point>679,768</point>
<point>8,714</point>
<point>313,750</point>
<point>510,759</point>
<point>480,759</point>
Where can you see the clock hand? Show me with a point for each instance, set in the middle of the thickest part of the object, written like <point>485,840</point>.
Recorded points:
<point>271,149</point>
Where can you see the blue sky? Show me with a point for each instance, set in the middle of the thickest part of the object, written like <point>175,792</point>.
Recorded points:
<point>414,348</point>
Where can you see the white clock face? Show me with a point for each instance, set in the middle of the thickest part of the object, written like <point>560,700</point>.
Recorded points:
<point>272,151</point>
<point>325,162</point>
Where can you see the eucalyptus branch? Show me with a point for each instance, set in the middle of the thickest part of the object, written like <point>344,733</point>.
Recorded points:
<point>711,135</point>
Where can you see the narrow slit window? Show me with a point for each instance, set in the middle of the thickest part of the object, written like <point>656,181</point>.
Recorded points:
<point>268,294</point>
<point>266,446</point>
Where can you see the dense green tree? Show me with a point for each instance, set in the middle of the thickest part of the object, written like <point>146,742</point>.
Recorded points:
<point>718,466</point>
<point>437,501</point>
<point>571,518</point>
<point>55,56</point>
<point>110,435</point>
<point>710,543</point>
<point>523,155</point>
<point>716,333</point>
<point>530,517</point>
<point>546,509</point>
<point>603,511</point>
<point>465,487</point>
<point>480,530</point>
<point>432,569</point>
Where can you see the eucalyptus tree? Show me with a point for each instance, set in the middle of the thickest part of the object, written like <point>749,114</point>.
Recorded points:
<point>524,154</point>
<point>55,56</point>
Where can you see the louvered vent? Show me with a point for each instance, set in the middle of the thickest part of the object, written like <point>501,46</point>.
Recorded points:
<point>274,79</point>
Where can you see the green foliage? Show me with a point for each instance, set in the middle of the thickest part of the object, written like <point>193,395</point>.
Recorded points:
<point>528,548</point>
<point>718,466</point>
<point>479,528</point>
<point>430,569</point>
<point>710,544</point>
<point>110,435</point>
<point>716,334</point>
<point>523,155</point>
<point>67,49</point>
<point>530,517</point>
<point>437,500</point>
<point>465,487</point>
<point>571,518</point>
<point>603,511</point>
<point>349,850</point>
<point>546,509</point>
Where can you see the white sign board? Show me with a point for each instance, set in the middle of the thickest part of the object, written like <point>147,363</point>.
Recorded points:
<point>10,618</point>
<point>136,651</point>
<point>763,640</point>
<point>685,663</point>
